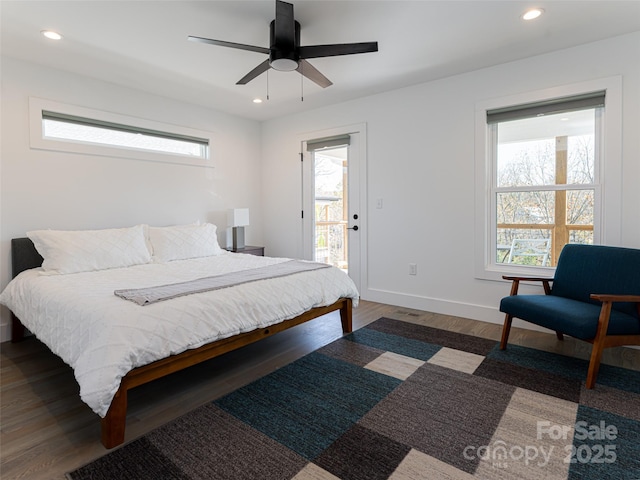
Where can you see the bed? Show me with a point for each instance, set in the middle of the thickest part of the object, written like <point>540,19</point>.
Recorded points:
<point>115,343</point>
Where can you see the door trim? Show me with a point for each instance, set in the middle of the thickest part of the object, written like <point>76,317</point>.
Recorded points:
<point>360,130</point>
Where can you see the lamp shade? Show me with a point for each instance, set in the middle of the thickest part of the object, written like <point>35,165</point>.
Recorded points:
<point>238,217</point>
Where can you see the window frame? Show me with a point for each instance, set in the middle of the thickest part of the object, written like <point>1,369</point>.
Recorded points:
<point>566,187</point>
<point>607,215</point>
<point>39,108</point>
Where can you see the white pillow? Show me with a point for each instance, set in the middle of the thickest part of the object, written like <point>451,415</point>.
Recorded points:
<point>87,250</point>
<point>180,242</point>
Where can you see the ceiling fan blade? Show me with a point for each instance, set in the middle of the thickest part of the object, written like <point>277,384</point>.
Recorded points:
<point>316,51</point>
<point>284,30</point>
<point>313,74</point>
<point>263,67</point>
<point>222,43</point>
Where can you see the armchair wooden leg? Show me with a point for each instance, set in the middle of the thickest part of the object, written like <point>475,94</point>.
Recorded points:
<point>598,344</point>
<point>594,363</point>
<point>506,329</point>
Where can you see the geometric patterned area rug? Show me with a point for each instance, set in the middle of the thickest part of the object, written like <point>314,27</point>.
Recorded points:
<point>402,401</point>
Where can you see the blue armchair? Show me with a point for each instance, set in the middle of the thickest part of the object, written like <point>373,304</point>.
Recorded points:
<point>595,297</point>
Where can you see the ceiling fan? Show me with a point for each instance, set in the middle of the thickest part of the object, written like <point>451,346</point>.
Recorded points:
<point>286,53</point>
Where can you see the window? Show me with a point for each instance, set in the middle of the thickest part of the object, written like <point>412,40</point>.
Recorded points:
<point>330,164</point>
<point>542,159</point>
<point>80,130</point>
<point>68,127</point>
<point>544,184</point>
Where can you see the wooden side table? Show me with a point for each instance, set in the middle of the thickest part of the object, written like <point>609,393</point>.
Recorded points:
<point>248,249</point>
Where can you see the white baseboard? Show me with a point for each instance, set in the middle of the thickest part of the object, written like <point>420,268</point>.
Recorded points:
<point>435,305</point>
<point>448,307</point>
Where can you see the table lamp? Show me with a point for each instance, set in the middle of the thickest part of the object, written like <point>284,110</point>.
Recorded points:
<point>238,218</point>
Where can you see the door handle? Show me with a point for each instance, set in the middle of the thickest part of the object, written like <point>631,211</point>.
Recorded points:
<point>355,228</point>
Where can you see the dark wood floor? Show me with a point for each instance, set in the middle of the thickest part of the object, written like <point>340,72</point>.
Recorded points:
<point>46,430</point>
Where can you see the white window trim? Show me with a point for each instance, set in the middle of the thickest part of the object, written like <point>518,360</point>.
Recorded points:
<point>38,141</point>
<point>609,169</point>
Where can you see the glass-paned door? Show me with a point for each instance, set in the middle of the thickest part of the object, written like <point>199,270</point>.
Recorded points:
<point>331,208</point>
<point>332,175</point>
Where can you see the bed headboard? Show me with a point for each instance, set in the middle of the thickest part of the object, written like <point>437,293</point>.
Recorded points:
<point>24,255</point>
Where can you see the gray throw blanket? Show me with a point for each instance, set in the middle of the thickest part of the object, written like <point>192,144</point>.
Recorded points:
<point>149,295</point>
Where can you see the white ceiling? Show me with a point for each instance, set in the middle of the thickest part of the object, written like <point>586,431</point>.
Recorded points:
<point>143,44</point>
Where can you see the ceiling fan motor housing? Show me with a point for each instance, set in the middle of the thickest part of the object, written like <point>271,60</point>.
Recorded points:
<point>283,56</point>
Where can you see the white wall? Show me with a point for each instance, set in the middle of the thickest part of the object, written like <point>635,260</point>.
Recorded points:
<point>44,189</point>
<point>421,163</point>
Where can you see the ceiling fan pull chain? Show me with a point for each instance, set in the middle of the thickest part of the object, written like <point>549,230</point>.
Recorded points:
<point>267,84</point>
<point>302,82</point>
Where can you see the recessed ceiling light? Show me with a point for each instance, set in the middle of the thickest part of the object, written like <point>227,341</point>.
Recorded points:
<point>50,34</point>
<point>532,13</point>
<point>257,100</point>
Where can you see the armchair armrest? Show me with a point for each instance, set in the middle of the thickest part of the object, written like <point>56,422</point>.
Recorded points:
<point>605,297</point>
<point>517,279</point>
<point>525,279</point>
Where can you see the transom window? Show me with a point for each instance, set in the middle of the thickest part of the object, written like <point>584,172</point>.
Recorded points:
<point>86,130</point>
<point>74,129</point>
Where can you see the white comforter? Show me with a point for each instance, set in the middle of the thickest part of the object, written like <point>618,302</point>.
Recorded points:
<point>102,337</point>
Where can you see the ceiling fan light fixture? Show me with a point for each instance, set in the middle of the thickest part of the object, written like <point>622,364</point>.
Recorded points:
<point>532,13</point>
<point>284,64</point>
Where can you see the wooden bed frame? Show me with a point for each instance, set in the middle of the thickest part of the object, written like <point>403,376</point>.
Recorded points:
<point>24,256</point>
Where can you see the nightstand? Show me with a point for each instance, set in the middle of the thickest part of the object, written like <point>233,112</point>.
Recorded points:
<point>248,249</point>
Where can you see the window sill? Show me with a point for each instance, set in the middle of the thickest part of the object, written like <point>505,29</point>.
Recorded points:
<point>495,272</point>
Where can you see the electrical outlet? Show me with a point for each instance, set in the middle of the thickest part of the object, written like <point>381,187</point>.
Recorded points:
<point>413,269</point>
<point>379,203</point>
